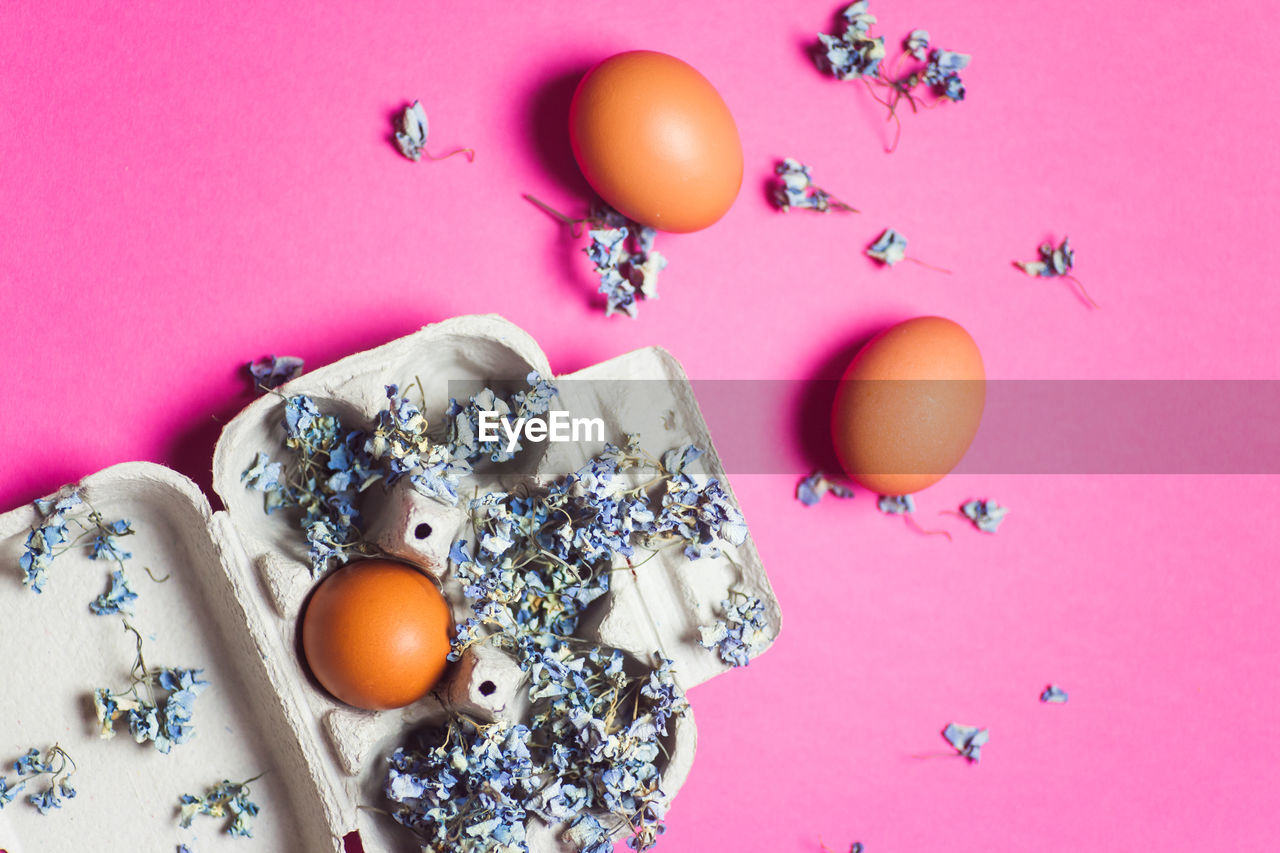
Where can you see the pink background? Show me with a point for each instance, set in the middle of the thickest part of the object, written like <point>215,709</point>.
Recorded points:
<point>181,190</point>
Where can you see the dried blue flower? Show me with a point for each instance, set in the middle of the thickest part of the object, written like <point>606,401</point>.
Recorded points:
<point>944,65</point>
<point>7,793</point>
<point>1056,262</point>
<point>226,799</point>
<point>45,801</point>
<point>953,88</point>
<point>51,532</point>
<point>606,249</point>
<point>412,133</point>
<point>889,248</point>
<point>539,560</point>
<point>1055,694</point>
<point>56,764</point>
<point>541,394</point>
<point>851,56</point>
<point>412,129</point>
<point>565,540</point>
<point>330,467</point>
<point>796,189</point>
<point>589,835</point>
<point>896,504</point>
<point>117,599</point>
<point>623,272</point>
<point>643,269</point>
<point>30,763</point>
<point>263,475</point>
<point>859,20</point>
<point>967,740</point>
<point>619,294</point>
<point>272,371</point>
<point>622,253</point>
<point>811,489</point>
<point>157,704</point>
<point>854,53</point>
<point>986,515</point>
<point>917,44</point>
<point>401,443</point>
<point>463,421</point>
<point>52,537</point>
<point>466,788</point>
<point>857,55</point>
<point>104,545</point>
<point>740,633</point>
<point>49,508</point>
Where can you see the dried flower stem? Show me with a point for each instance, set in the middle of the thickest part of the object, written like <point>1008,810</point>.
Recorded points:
<point>915,525</point>
<point>575,224</point>
<point>1083,292</point>
<point>929,266</point>
<point>470,152</point>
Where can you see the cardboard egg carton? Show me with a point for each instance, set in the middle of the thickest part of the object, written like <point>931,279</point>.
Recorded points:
<point>240,579</point>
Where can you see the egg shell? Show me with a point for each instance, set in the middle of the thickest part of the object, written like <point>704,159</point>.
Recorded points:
<point>375,634</point>
<point>657,142</point>
<point>909,406</point>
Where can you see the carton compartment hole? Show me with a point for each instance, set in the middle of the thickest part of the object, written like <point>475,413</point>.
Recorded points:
<point>422,531</point>
<point>487,688</point>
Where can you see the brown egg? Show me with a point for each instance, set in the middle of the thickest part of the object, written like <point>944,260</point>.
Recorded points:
<point>657,142</point>
<point>376,634</point>
<point>909,406</point>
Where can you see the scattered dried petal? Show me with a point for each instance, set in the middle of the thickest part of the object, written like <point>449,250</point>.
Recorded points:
<point>986,515</point>
<point>411,134</point>
<point>741,633</point>
<point>967,740</point>
<point>917,44</point>
<point>896,504</point>
<point>1055,694</point>
<point>811,489</point>
<point>889,248</point>
<point>272,371</point>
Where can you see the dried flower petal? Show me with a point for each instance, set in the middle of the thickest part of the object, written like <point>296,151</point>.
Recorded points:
<point>896,504</point>
<point>412,131</point>
<point>741,633</point>
<point>917,44</point>
<point>943,73</point>
<point>38,552</point>
<point>56,764</point>
<point>857,16</point>
<point>796,189</point>
<point>225,799</point>
<point>1054,261</point>
<point>165,724</point>
<point>967,740</point>
<point>271,371</point>
<point>1055,694</point>
<point>889,248</point>
<point>986,515</point>
<point>811,489</point>
<point>117,599</point>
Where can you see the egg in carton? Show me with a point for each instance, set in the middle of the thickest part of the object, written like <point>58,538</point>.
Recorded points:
<point>244,577</point>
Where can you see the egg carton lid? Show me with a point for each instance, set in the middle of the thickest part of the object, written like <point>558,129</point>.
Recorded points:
<point>240,578</point>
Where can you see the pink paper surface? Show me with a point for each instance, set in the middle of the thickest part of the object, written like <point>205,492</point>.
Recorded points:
<point>185,188</point>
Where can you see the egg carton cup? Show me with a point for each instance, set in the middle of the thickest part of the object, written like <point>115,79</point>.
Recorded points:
<point>239,580</point>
